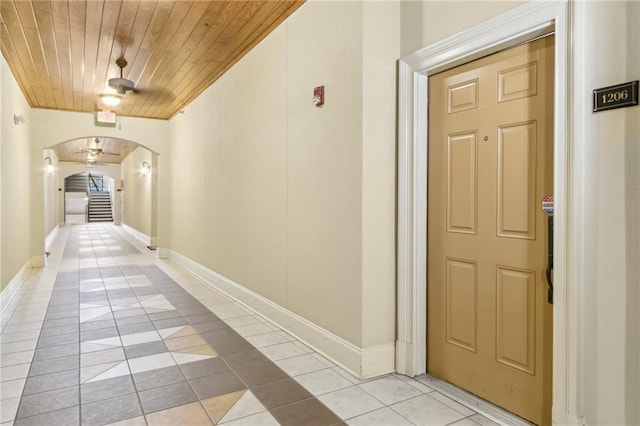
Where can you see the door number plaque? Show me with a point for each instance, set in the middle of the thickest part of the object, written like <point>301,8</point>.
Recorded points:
<point>618,96</point>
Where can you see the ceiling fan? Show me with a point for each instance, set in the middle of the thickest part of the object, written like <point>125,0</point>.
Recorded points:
<point>119,84</point>
<point>93,152</point>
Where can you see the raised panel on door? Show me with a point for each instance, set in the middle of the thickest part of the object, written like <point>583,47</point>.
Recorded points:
<point>462,201</point>
<point>461,303</point>
<point>463,96</point>
<point>517,180</point>
<point>515,315</point>
<point>518,82</point>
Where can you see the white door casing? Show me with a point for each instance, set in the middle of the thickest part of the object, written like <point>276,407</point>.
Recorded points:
<point>518,25</point>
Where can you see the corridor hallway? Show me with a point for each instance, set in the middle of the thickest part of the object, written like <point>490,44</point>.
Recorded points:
<point>108,333</point>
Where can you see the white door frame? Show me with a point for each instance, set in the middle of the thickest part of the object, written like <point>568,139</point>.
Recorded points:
<point>518,25</point>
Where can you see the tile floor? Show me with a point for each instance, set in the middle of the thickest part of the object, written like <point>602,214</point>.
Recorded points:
<point>109,334</point>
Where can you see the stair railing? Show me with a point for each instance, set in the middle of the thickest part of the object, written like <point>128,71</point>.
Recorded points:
<point>93,184</point>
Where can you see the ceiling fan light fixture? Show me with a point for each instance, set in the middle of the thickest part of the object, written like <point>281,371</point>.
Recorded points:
<point>111,99</point>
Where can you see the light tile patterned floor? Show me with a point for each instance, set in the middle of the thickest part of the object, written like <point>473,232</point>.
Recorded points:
<point>109,334</point>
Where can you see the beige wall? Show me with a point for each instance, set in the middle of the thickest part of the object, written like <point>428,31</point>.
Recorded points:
<point>632,221</point>
<point>607,195</point>
<point>15,179</point>
<point>380,47</point>
<point>136,195</point>
<point>427,22</point>
<point>269,191</point>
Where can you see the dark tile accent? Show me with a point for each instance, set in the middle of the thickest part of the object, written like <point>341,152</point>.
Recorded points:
<point>136,328</point>
<point>56,351</point>
<point>31,405</point>
<point>224,342</point>
<point>120,293</point>
<point>245,359</point>
<point>95,325</point>
<point>125,313</point>
<point>109,388</point>
<point>57,301</point>
<point>63,339</point>
<point>47,382</point>
<point>203,327</point>
<point>110,410</point>
<point>61,321</point>
<point>62,313</point>
<point>57,331</point>
<point>164,315</point>
<point>157,378</point>
<point>145,290</point>
<point>94,297</point>
<point>205,367</point>
<point>132,320</point>
<point>144,349</point>
<point>101,357</point>
<point>217,384</point>
<point>283,392</point>
<point>261,374</point>
<point>307,412</point>
<point>166,397</point>
<point>62,293</point>
<point>177,297</point>
<point>189,304</point>
<point>105,317</point>
<point>194,319</point>
<point>61,364</point>
<point>170,322</point>
<point>220,335</point>
<point>66,417</point>
<point>194,311</point>
<point>100,333</point>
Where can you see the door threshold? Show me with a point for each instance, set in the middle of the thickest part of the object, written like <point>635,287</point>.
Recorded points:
<point>481,406</point>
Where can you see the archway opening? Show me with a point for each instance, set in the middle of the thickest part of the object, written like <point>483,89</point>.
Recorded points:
<point>116,181</point>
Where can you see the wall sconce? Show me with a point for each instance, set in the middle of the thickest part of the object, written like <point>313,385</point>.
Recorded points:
<point>19,119</point>
<point>146,168</point>
<point>48,164</point>
<point>111,99</point>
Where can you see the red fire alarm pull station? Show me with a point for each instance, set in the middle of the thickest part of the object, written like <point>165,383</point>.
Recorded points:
<point>318,96</point>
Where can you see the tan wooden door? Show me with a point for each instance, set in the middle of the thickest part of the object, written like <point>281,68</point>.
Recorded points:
<point>490,165</point>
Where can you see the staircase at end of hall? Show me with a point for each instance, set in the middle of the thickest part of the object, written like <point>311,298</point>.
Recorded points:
<point>100,207</point>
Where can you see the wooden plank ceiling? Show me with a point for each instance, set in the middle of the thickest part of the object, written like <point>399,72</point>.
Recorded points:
<point>63,52</point>
<point>94,150</point>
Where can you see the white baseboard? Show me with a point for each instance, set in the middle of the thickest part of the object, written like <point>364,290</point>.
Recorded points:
<point>361,362</point>
<point>404,358</point>
<point>14,285</point>
<point>48,242</point>
<point>140,236</point>
<point>377,360</point>
<point>561,417</point>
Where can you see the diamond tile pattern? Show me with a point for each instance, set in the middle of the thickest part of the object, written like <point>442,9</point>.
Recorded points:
<point>115,336</point>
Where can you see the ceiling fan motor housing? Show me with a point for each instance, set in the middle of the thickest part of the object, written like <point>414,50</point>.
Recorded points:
<point>120,84</point>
